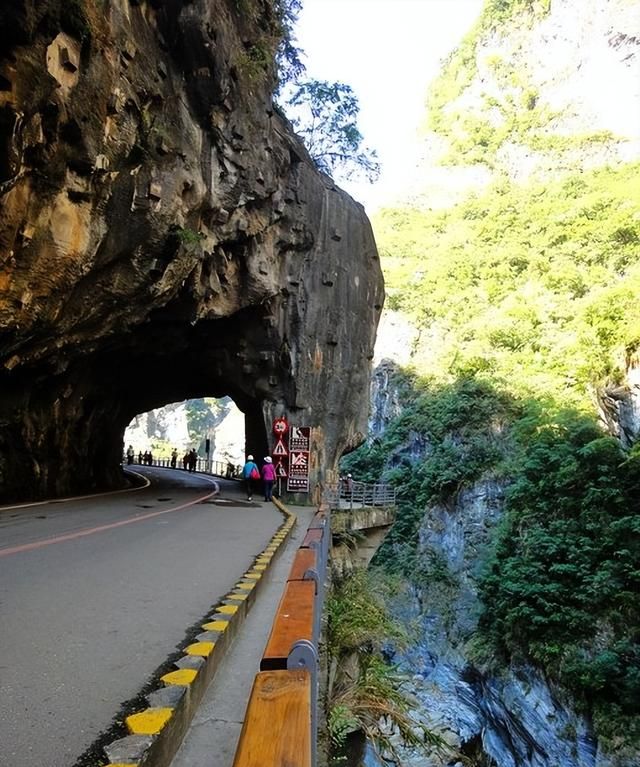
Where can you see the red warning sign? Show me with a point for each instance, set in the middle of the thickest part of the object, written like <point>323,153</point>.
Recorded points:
<point>279,449</point>
<point>280,426</point>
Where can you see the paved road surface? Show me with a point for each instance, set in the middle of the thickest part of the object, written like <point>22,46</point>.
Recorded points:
<point>95,594</point>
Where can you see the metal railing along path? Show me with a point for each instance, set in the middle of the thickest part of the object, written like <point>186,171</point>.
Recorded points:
<point>218,468</point>
<point>358,495</point>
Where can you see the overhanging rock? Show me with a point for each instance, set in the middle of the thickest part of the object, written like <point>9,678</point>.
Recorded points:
<point>164,235</point>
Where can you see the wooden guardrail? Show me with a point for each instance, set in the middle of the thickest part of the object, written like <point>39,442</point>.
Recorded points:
<point>280,727</point>
<point>276,728</point>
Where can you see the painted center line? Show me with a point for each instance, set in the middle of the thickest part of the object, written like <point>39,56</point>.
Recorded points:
<point>100,528</point>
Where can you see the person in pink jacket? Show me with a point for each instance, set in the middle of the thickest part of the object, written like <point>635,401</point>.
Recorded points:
<point>268,477</point>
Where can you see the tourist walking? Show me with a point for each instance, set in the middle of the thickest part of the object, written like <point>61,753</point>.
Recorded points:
<point>174,458</point>
<point>268,477</point>
<point>250,474</point>
<point>130,455</point>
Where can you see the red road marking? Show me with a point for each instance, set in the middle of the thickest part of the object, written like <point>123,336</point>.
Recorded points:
<point>99,529</point>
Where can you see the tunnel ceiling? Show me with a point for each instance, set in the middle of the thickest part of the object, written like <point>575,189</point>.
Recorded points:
<point>164,235</point>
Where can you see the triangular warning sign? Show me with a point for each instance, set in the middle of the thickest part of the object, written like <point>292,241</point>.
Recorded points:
<point>281,471</point>
<point>279,449</point>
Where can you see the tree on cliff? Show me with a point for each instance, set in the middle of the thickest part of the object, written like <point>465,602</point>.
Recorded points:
<point>325,116</point>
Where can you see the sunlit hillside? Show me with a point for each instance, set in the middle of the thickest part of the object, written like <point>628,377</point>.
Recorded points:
<point>514,451</point>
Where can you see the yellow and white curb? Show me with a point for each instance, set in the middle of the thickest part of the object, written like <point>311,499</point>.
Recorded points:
<point>156,732</point>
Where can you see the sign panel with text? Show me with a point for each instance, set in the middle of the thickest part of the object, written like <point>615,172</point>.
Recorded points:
<point>299,445</point>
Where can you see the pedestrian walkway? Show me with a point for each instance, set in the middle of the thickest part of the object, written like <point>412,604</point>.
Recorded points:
<point>215,729</point>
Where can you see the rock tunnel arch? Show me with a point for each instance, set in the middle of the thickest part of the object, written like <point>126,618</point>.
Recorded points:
<point>163,236</point>
<point>87,407</point>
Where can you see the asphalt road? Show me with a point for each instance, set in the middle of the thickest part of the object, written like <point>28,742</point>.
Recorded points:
<point>96,594</point>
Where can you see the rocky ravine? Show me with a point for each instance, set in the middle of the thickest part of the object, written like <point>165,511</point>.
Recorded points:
<point>164,236</point>
<point>507,718</point>
<point>579,61</point>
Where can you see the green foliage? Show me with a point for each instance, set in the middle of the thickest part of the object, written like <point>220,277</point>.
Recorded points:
<point>256,61</point>
<point>325,116</point>
<point>458,431</point>
<point>510,110</point>
<point>161,448</point>
<point>497,12</point>
<point>357,616</point>
<point>202,416</point>
<point>371,693</point>
<point>269,47</point>
<point>561,588</point>
<point>535,287</point>
<point>528,300</point>
<point>563,584</point>
<point>189,237</point>
<point>290,66</point>
<point>341,722</point>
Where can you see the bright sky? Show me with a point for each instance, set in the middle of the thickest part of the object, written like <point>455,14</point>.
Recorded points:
<point>387,51</point>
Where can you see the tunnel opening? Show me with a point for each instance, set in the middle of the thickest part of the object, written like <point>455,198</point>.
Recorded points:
<point>214,427</point>
<point>64,424</point>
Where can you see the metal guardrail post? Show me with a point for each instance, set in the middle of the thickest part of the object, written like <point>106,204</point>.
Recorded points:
<point>303,655</point>
<point>319,596</point>
<point>321,548</point>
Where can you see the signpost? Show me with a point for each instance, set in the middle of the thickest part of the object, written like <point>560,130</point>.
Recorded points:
<point>299,447</point>
<point>291,456</point>
<point>280,452</point>
<point>279,449</point>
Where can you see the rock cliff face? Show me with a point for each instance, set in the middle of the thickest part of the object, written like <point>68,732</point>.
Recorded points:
<point>512,718</point>
<point>619,406</point>
<point>164,236</point>
<point>549,90</point>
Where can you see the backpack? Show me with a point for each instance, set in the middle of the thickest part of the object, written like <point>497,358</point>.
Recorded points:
<point>254,474</point>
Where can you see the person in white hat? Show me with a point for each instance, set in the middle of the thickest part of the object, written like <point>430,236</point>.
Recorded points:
<point>250,474</point>
<point>268,477</point>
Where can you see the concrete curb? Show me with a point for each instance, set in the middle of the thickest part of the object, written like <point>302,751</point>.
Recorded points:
<point>157,731</point>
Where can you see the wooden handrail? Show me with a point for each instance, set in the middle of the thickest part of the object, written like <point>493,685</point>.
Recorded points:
<point>305,560</point>
<point>278,699</point>
<point>293,622</point>
<point>314,535</point>
<point>271,734</point>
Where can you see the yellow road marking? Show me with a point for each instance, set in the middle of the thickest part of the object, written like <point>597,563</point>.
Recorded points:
<point>203,649</point>
<point>149,722</point>
<point>182,676</point>
<point>215,626</point>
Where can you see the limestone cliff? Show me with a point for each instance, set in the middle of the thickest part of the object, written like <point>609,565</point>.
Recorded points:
<point>165,236</point>
<point>539,90</point>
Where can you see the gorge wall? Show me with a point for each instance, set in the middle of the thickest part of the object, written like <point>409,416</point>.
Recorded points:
<point>164,236</point>
<point>540,100</point>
